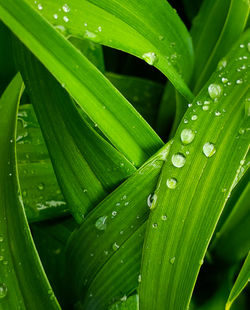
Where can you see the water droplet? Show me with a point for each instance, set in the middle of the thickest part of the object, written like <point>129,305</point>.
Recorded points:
<point>206,102</point>
<point>89,35</point>
<point>161,38</point>
<point>164,217</point>
<point>205,108</point>
<point>217,113</point>
<point>139,278</point>
<point>178,160</point>
<point>66,8</point>
<point>201,261</point>
<point>214,91</point>
<point>240,81</point>
<point>224,80</point>
<point>3,290</point>
<point>99,28</point>
<point>55,16</point>
<point>66,19</point>
<point>40,186</point>
<point>61,29</point>
<point>101,223</point>
<point>1,238</point>
<point>222,64</point>
<point>187,136</point>
<point>209,149</point>
<point>185,121</point>
<point>199,103</point>
<point>172,260</point>
<point>171,183</point>
<point>40,7</point>
<point>150,57</point>
<point>190,105</point>
<point>150,200</point>
<point>194,117</point>
<point>248,47</point>
<point>124,298</point>
<point>114,213</point>
<point>155,225</point>
<point>242,45</point>
<point>115,246</point>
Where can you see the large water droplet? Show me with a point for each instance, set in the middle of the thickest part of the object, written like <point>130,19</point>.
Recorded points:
<point>101,223</point>
<point>3,290</point>
<point>171,183</point>
<point>209,149</point>
<point>187,136</point>
<point>178,160</point>
<point>150,57</point>
<point>215,91</point>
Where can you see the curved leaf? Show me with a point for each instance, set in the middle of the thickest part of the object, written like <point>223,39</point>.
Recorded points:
<point>154,33</point>
<point>194,185</point>
<point>23,282</point>
<point>118,120</point>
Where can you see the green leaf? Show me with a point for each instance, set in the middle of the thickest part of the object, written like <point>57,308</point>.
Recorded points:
<point>232,242</point>
<point>87,166</point>
<point>118,120</point>
<point>143,94</point>
<point>194,185</point>
<point>240,283</point>
<point>154,33</point>
<point>41,194</point>
<point>112,233</point>
<point>131,303</point>
<point>23,282</point>
<point>217,26</point>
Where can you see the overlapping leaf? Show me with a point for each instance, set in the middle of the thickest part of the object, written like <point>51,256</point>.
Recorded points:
<point>87,166</point>
<point>194,185</point>
<point>23,283</point>
<point>103,255</point>
<point>118,120</point>
<point>153,32</point>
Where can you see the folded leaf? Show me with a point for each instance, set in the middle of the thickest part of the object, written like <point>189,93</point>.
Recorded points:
<point>241,281</point>
<point>208,149</point>
<point>154,33</point>
<point>113,114</point>
<point>23,282</point>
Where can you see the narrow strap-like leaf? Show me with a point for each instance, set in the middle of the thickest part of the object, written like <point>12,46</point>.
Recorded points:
<point>23,283</point>
<point>149,30</point>
<point>87,166</point>
<point>113,114</point>
<point>204,159</point>
<point>241,281</point>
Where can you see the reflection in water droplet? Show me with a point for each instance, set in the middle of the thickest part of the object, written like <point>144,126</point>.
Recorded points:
<point>209,149</point>
<point>215,91</point>
<point>171,183</point>
<point>115,246</point>
<point>150,57</point>
<point>222,64</point>
<point>3,290</point>
<point>187,136</point>
<point>172,260</point>
<point>101,223</point>
<point>178,160</point>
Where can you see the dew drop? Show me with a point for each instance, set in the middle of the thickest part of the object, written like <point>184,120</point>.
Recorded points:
<point>206,102</point>
<point>185,121</point>
<point>101,224</point>
<point>89,35</point>
<point>40,7</point>
<point>187,136</point>
<point>139,278</point>
<point>178,160</point>
<point>114,213</point>
<point>242,45</point>
<point>224,80</point>
<point>66,8</point>
<point>171,183</point>
<point>161,38</point>
<point>222,64</point>
<point>150,200</point>
<point>217,113</point>
<point>205,108</point>
<point>66,19</point>
<point>115,246</point>
<point>155,225</point>
<point>172,260</point>
<point>194,117</point>
<point>164,217</point>
<point>99,28</point>
<point>40,186</point>
<point>214,91</point>
<point>1,238</point>
<point>240,81</point>
<point>209,149</point>
<point>3,290</point>
<point>55,16</point>
<point>150,58</point>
